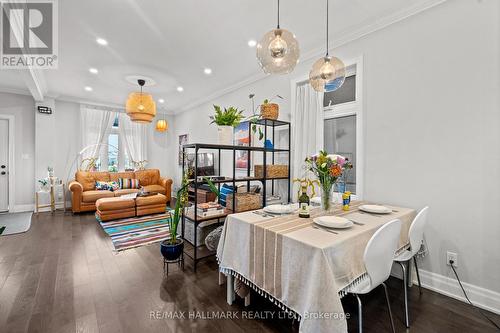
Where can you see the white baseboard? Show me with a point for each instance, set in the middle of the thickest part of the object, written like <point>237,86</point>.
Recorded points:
<point>22,208</point>
<point>480,297</point>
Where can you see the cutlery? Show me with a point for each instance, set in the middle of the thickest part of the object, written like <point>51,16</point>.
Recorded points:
<point>374,215</point>
<point>358,223</point>
<point>324,229</point>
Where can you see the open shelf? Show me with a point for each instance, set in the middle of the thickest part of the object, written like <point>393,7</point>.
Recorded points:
<point>242,179</point>
<point>232,147</point>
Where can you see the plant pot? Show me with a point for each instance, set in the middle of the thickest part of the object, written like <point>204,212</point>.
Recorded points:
<point>269,111</point>
<point>225,135</point>
<point>172,252</point>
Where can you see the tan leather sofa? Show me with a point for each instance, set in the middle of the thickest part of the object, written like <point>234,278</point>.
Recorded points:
<point>84,195</point>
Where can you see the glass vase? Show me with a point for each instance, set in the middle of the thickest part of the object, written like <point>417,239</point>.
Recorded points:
<point>326,196</point>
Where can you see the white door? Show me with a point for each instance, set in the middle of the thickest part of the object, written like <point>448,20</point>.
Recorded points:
<point>4,165</point>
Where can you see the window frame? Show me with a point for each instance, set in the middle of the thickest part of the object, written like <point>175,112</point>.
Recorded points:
<point>354,108</point>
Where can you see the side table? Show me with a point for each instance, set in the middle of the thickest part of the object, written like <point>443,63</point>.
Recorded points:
<point>53,203</point>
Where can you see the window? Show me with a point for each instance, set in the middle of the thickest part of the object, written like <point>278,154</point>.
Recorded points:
<point>342,127</point>
<point>112,157</point>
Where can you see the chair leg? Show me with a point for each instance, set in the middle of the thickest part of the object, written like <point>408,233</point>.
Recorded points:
<point>360,314</point>
<point>407,319</point>
<point>389,307</point>
<point>418,275</point>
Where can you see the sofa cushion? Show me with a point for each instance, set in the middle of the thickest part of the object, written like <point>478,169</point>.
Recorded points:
<point>93,196</point>
<point>154,189</point>
<point>88,179</point>
<point>127,183</point>
<point>115,176</point>
<point>148,177</point>
<point>106,186</point>
<point>125,191</point>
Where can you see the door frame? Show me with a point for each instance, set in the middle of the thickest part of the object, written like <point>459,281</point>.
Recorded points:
<point>11,121</point>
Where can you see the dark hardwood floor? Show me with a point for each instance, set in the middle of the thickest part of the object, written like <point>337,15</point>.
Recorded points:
<point>62,276</point>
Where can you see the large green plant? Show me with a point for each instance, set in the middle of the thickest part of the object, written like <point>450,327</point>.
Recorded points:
<point>180,203</point>
<point>229,117</point>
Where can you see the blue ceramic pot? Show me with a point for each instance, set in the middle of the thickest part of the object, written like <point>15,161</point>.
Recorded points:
<point>172,252</point>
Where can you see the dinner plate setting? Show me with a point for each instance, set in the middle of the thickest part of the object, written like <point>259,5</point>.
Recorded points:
<point>335,222</point>
<point>279,209</point>
<point>375,209</point>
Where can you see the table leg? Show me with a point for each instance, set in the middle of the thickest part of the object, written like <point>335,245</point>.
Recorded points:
<point>36,203</point>
<point>64,197</point>
<point>52,200</point>
<point>230,289</point>
<point>247,299</point>
<point>221,279</point>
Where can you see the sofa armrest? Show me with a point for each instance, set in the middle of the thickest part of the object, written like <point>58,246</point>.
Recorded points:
<point>76,190</point>
<point>167,184</point>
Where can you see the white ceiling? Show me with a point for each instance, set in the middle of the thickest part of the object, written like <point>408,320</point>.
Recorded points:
<point>173,41</point>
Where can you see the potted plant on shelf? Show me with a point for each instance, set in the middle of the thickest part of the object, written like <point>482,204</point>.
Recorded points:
<point>226,121</point>
<point>172,248</point>
<point>268,110</point>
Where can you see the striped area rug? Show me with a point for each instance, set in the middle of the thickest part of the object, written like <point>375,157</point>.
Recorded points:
<point>137,231</point>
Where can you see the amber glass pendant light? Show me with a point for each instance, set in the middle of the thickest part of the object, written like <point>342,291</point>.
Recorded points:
<point>327,73</point>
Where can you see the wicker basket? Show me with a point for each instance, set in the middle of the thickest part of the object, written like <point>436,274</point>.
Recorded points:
<point>272,171</point>
<point>269,111</point>
<point>244,202</point>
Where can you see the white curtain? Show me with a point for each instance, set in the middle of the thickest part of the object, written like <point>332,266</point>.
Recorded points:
<point>134,138</point>
<point>95,126</point>
<point>307,128</point>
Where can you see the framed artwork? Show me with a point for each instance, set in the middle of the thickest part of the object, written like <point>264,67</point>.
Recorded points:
<point>243,136</point>
<point>183,139</point>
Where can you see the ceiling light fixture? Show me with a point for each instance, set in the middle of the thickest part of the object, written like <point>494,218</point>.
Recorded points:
<point>93,70</point>
<point>207,71</point>
<point>140,107</point>
<point>161,100</point>
<point>180,89</point>
<point>278,51</point>
<point>161,125</point>
<point>327,73</point>
<point>101,41</point>
<point>87,88</point>
<point>252,43</point>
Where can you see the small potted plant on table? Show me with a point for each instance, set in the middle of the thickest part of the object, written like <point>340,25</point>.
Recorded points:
<point>226,121</point>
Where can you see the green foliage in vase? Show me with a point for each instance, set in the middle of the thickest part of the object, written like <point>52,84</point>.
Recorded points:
<point>229,117</point>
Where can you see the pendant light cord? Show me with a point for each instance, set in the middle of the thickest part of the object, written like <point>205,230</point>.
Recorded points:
<point>327,29</point>
<point>278,14</point>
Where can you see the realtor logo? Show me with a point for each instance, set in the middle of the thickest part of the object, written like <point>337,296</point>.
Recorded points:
<point>29,34</point>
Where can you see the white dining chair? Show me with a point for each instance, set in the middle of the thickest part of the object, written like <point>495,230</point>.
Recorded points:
<point>416,236</point>
<point>378,256</point>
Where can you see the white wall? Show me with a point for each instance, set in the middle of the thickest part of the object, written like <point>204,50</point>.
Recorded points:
<point>432,115</point>
<point>22,108</point>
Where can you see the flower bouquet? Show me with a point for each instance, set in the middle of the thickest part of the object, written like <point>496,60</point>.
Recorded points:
<point>328,168</point>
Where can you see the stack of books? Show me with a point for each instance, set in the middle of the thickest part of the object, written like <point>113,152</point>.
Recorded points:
<point>209,209</point>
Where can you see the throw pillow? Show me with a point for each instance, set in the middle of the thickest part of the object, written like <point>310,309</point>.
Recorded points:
<point>224,191</point>
<point>126,183</point>
<point>106,186</point>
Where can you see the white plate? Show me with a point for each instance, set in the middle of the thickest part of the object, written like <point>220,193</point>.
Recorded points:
<point>279,209</point>
<point>377,209</point>
<point>336,222</point>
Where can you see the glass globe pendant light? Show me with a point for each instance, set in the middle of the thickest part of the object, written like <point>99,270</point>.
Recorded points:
<point>278,51</point>
<point>327,73</point>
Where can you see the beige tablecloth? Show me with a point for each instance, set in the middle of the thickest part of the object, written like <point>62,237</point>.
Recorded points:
<point>303,268</point>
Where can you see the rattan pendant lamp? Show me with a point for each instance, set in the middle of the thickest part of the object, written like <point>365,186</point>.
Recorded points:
<point>140,107</point>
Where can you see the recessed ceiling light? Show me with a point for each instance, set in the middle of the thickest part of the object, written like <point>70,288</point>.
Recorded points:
<point>101,41</point>
<point>87,88</point>
<point>180,89</point>
<point>252,43</point>
<point>93,70</point>
<point>161,100</point>
<point>207,71</point>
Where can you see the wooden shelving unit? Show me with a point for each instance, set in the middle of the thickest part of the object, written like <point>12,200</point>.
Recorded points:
<point>269,127</point>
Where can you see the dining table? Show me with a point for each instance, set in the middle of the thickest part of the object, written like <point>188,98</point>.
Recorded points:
<point>303,268</point>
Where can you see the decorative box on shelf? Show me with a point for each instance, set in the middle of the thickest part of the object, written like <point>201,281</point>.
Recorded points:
<point>244,201</point>
<point>204,228</point>
<point>272,171</point>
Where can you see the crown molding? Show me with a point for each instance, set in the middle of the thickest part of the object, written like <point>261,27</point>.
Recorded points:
<point>15,91</point>
<point>345,37</point>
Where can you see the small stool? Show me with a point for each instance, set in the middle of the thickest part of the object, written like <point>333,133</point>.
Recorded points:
<point>179,262</point>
